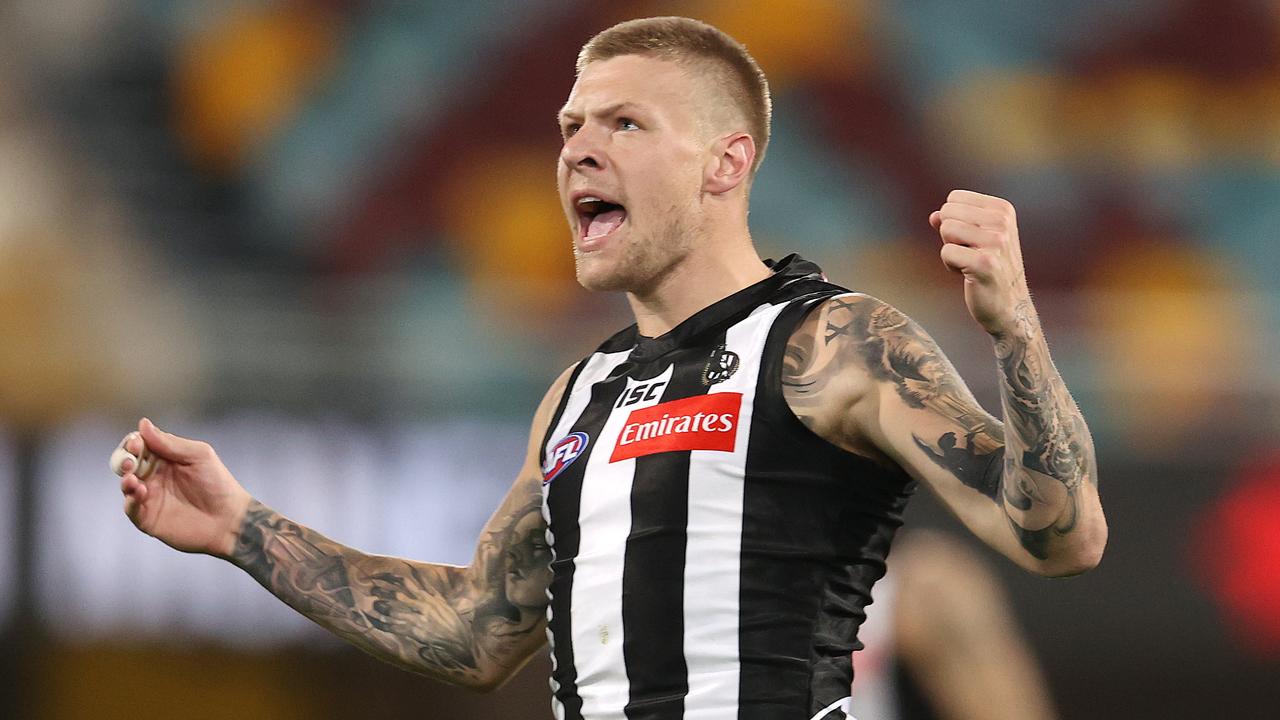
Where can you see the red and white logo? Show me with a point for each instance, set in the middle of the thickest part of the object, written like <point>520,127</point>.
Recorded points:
<point>702,422</point>
<point>564,453</point>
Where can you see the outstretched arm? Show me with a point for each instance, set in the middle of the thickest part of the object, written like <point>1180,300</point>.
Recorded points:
<point>866,377</point>
<point>472,626</point>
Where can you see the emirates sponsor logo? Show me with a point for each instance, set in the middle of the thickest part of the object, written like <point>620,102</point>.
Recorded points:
<point>703,422</point>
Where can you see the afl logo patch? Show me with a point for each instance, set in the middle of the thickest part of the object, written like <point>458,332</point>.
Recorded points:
<point>564,453</point>
<point>722,365</point>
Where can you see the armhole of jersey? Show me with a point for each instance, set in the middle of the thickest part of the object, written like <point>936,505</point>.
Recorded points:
<point>560,406</point>
<point>772,366</point>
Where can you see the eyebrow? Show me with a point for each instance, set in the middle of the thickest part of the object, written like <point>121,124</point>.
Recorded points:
<point>606,110</point>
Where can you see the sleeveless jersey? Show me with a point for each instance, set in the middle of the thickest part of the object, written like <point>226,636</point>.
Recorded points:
<point>712,556</point>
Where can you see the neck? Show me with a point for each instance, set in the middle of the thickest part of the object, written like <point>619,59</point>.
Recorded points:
<point>700,280</point>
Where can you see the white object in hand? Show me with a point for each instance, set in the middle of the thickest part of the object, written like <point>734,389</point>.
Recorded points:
<point>142,466</point>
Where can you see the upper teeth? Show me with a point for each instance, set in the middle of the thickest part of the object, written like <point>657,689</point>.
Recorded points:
<point>588,199</point>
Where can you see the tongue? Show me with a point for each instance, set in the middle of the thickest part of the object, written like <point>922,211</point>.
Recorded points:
<point>606,222</point>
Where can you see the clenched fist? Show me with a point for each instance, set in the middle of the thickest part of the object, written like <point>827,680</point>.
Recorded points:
<point>980,240</point>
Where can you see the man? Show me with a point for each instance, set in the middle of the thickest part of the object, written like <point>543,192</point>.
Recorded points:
<point>709,497</point>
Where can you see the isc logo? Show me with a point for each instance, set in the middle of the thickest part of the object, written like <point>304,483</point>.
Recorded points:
<point>644,392</point>
<point>564,453</point>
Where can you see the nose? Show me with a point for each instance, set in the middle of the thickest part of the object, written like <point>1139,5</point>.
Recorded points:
<point>582,151</point>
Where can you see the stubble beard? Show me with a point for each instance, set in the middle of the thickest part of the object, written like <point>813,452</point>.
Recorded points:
<point>645,259</point>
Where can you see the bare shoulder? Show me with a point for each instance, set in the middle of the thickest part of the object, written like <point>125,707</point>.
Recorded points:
<point>551,400</point>
<point>519,518</point>
<point>846,324</point>
<point>547,408</point>
<point>531,472</point>
<point>824,372</point>
<point>848,353</point>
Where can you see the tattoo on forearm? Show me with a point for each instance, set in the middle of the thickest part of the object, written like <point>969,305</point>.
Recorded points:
<point>454,623</point>
<point>1047,435</point>
<point>1045,443</point>
<point>1044,418</point>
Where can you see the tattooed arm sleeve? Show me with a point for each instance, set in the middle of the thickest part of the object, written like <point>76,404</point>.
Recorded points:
<point>472,626</point>
<point>867,378</point>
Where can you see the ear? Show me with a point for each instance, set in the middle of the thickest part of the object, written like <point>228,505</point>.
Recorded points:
<point>730,163</point>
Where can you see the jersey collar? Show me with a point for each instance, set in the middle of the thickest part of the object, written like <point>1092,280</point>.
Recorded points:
<point>717,316</point>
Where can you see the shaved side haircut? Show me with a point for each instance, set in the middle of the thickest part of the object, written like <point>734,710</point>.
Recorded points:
<point>695,44</point>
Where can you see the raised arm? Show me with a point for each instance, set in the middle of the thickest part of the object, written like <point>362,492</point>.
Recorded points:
<point>472,626</point>
<point>869,379</point>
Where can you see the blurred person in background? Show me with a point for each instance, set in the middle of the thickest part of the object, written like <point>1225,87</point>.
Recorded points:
<point>707,499</point>
<point>942,641</point>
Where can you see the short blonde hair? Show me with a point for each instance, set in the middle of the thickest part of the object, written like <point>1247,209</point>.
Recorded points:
<point>687,42</point>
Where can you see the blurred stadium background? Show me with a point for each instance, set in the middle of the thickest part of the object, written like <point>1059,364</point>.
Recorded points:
<point>323,235</point>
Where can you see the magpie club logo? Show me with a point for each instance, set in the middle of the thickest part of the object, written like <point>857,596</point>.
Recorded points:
<point>722,365</point>
<point>563,454</point>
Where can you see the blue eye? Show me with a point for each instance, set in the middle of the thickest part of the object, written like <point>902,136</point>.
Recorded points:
<point>627,124</point>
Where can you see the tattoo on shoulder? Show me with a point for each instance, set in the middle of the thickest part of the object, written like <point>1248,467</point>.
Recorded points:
<point>1048,442</point>
<point>861,332</point>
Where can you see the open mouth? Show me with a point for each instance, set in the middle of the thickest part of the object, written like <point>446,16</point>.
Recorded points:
<point>598,218</point>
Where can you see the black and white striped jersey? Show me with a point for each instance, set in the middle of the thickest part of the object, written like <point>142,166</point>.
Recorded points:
<point>712,556</point>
